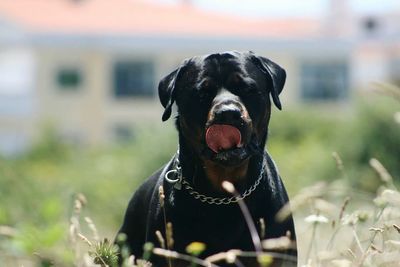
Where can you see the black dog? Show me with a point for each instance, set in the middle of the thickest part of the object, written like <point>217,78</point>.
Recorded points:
<point>224,106</point>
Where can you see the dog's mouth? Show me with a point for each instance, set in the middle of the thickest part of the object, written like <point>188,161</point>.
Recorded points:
<point>228,144</point>
<point>223,137</point>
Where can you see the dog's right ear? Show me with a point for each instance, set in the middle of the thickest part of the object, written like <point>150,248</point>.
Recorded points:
<point>276,73</point>
<point>166,90</point>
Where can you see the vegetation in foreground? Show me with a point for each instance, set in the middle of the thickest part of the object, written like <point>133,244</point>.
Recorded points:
<point>338,227</point>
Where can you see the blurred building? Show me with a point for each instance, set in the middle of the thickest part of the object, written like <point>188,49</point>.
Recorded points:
<point>91,67</point>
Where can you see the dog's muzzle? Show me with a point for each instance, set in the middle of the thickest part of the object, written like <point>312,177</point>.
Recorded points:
<point>228,129</point>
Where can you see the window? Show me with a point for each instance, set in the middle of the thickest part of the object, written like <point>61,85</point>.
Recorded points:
<point>69,78</point>
<point>324,81</point>
<point>133,78</point>
<point>370,25</point>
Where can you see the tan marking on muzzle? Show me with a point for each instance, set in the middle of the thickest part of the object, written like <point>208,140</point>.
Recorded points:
<point>229,101</point>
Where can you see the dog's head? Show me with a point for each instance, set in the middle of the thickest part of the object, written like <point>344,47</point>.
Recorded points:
<point>223,103</point>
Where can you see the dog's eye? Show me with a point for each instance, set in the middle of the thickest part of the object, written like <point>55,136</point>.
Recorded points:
<point>251,87</point>
<point>205,84</point>
<point>248,86</point>
<point>236,78</point>
<point>241,84</point>
<point>205,88</point>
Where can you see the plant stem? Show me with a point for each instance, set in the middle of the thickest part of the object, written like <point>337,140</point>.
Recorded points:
<point>314,230</point>
<point>228,186</point>
<point>173,254</point>
<point>371,239</point>
<point>357,239</point>
<point>250,223</point>
<point>250,254</point>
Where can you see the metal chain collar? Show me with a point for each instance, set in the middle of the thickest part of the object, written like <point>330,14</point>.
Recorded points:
<point>180,180</point>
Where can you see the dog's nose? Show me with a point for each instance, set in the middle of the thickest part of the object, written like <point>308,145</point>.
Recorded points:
<point>227,113</point>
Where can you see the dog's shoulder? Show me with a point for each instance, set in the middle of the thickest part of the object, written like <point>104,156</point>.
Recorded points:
<point>140,205</point>
<point>274,181</point>
<point>141,199</point>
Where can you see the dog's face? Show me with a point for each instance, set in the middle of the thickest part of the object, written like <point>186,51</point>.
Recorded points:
<point>223,104</point>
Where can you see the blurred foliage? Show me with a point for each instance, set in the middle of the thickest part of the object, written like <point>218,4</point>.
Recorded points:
<point>302,142</point>
<point>37,189</point>
<point>372,134</point>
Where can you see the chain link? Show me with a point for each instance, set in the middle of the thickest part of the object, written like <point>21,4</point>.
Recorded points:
<point>225,200</point>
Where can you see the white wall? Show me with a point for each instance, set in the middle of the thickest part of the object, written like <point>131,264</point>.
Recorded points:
<point>17,101</point>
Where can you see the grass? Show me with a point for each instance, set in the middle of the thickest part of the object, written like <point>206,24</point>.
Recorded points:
<point>349,227</point>
<point>351,218</point>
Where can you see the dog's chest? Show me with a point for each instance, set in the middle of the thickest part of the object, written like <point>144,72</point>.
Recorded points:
<point>221,227</point>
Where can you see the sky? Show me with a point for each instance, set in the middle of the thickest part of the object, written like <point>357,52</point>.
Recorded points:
<point>289,8</point>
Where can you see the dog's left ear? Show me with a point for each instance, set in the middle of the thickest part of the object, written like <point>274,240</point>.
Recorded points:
<point>166,90</point>
<point>274,72</point>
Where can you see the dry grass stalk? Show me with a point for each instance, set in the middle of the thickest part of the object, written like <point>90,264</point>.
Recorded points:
<point>262,228</point>
<point>376,229</point>
<point>73,231</point>
<point>169,235</point>
<point>93,228</point>
<point>142,263</point>
<point>387,89</point>
<point>272,255</point>
<point>351,253</point>
<point>85,239</point>
<point>343,208</point>
<point>373,247</point>
<point>160,239</point>
<point>80,202</point>
<point>216,257</point>
<point>280,243</point>
<point>339,162</point>
<point>168,228</point>
<point>175,255</point>
<point>161,195</point>
<point>229,187</point>
<point>381,170</point>
<point>395,226</point>
<point>304,198</point>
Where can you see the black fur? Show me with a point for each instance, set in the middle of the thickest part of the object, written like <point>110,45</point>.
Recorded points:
<point>194,86</point>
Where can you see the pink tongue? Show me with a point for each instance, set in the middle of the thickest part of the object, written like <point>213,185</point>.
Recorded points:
<point>222,137</point>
